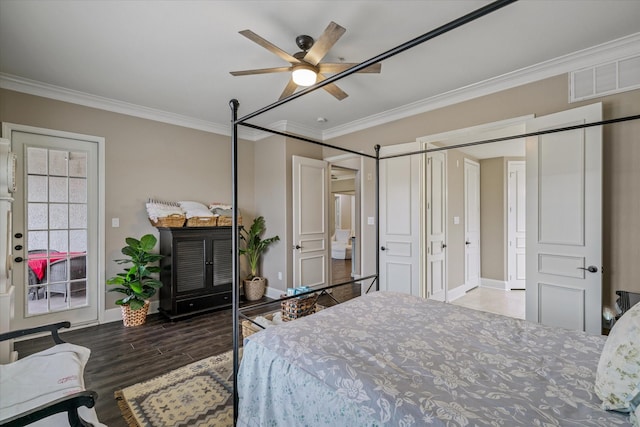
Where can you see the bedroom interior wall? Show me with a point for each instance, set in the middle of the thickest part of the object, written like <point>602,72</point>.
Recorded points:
<point>492,199</point>
<point>455,208</point>
<point>179,163</point>
<point>270,197</point>
<point>621,158</point>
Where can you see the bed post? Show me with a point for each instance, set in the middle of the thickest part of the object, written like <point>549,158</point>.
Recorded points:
<point>377,216</point>
<point>235,297</point>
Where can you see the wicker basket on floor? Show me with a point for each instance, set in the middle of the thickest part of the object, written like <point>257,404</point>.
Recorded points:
<point>175,220</point>
<point>298,307</point>
<point>202,221</point>
<point>134,317</point>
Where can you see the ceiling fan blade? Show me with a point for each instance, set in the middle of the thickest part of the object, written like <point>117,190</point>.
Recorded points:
<point>260,71</point>
<point>333,89</point>
<point>329,37</point>
<point>269,46</point>
<point>289,89</point>
<point>335,67</point>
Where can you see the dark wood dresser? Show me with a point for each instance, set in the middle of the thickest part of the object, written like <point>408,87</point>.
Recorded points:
<point>196,270</point>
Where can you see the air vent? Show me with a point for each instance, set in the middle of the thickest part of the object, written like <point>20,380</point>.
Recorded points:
<point>604,79</point>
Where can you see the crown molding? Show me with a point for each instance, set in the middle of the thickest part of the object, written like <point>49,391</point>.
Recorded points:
<point>616,49</point>
<point>620,48</point>
<point>45,90</point>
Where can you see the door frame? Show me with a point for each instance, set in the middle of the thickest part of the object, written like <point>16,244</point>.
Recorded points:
<point>7,131</point>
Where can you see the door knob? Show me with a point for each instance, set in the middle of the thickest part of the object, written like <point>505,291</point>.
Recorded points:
<point>297,247</point>
<point>444,245</point>
<point>382,248</point>
<point>18,259</point>
<point>467,242</point>
<point>590,269</point>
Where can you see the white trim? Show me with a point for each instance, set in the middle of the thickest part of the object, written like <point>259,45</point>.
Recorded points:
<point>458,133</point>
<point>622,47</point>
<point>6,313</point>
<point>494,284</point>
<point>456,293</point>
<point>273,293</point>
<point>619,48</point>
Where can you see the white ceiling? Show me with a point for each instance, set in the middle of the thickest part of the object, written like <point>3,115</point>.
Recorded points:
<point>170,60</point>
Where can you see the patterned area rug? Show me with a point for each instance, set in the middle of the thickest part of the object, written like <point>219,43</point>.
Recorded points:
<point>199,394</point>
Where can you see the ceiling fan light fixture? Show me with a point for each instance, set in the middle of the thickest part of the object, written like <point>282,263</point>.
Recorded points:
<point>304,75</point>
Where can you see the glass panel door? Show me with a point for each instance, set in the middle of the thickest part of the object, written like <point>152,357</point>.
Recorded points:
<point>55,227</point>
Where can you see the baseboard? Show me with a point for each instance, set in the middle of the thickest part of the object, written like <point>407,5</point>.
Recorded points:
<point>456,293</point>
<point>274,293</point>
<point>494,284</point>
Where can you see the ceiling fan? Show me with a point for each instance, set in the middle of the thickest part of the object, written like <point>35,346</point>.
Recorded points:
<point>306,68</point>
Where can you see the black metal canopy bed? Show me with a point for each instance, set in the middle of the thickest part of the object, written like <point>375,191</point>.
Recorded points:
<point>392,359</point>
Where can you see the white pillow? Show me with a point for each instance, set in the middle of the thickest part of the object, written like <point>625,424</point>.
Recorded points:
<point>195,209</point>
<point>41,378</point>
<point>618,373</point>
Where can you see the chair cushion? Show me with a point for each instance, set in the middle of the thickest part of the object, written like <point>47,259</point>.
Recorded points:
<point>41,378</point>
<point>618,373</point>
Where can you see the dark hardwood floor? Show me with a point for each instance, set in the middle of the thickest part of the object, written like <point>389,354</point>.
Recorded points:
<point>123,356</point>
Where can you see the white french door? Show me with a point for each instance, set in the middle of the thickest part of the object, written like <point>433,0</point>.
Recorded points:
<point>564,221</point>
<point>516,225</point>
<point>400,222</point>
<point>436,219</point>
<point>55,227</point>
<point>471,223</point>
<point>310,222</point>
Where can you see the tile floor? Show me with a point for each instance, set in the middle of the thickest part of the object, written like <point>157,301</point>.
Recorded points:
<point>508,303</point>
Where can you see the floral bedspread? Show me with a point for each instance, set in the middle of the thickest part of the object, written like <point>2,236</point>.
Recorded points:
<point>397,360</point>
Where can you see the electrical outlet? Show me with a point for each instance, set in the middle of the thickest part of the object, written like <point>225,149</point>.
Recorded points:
<point>115,222</point>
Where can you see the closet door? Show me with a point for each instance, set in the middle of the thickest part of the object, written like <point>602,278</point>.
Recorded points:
<point>310,222</point>
<point>400,235</point>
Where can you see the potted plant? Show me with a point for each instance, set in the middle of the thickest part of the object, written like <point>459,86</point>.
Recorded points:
<point>254,247</point>
<point>136,281</point>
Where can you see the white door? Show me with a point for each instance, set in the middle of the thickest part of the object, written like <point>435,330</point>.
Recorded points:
<point>310,222</point>
<point>400,201</point>
<point>516,225</point>
<point>564,222</point>
<point>436,226</point>
<point>55,227</point>
<point>471,224</point>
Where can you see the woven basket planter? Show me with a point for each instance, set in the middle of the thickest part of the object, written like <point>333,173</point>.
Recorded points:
<point>134,317</point>
<point>254,288</point>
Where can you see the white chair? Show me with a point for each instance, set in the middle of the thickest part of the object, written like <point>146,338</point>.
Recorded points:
<point>341,244</point>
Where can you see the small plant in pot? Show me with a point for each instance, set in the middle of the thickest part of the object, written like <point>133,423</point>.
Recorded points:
<point>254,247</point>
<point>136,281</point>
